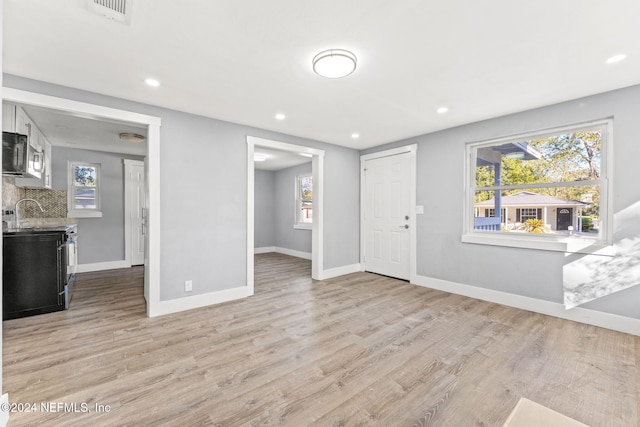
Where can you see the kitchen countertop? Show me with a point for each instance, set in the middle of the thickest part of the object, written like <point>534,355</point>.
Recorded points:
<point>38,230</point>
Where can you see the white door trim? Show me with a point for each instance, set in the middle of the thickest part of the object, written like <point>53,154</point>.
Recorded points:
<point>83,109</point>
<point>412,150</point>
<point>317,230</point>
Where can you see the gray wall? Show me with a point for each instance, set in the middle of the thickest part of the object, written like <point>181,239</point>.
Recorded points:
<point>203,183</point>
<point>275,210</point>
<point>287,236</point>
<point>532,273</point>
<point>264,232</point>
<point>99,239</point>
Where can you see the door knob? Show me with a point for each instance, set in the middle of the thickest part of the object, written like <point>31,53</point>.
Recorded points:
<point>404,226</point>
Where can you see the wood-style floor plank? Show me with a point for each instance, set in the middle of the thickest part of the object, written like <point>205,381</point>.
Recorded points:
<point>361,349</point>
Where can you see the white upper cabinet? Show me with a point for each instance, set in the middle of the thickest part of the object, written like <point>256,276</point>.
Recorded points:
<point>15,119</point>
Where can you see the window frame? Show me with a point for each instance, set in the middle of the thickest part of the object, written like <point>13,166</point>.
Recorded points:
<point>298,203</point>
<point>72,211</point>
<point>550,242</point>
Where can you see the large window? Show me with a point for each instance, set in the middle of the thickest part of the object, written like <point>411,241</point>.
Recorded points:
<point>304,201</point>
<point>550,189</point>
<point>84,190</point>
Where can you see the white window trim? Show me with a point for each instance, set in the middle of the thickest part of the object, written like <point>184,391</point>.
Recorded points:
<point>301,225</point>
<point>569,244</point>
<point>83,213</point>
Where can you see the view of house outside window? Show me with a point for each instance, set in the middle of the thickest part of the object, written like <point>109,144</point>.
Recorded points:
<point>547,184</point>
<point>304,200</point>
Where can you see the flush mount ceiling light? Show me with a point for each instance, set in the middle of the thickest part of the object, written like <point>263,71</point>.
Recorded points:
<point>355,135</point>
<point>131,137</point>
<point>259,157</point>
<point>334,63</point>
<point>280,116</point>
<point>442,110</point>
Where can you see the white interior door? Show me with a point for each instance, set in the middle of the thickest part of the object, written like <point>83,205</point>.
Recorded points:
<point>387,207</point>
<point>138,211</point>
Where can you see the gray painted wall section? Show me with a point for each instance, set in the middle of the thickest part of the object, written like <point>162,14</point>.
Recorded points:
<point>287,236</point>
<point>532,273</point>
<point>99,239</point>
<point>264,209</point>
<point>203,170</point>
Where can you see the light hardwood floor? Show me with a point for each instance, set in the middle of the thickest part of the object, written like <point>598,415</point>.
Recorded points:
<point>356,350</point>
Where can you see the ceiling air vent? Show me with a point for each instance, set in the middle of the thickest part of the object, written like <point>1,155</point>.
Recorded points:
<point>115,10</point>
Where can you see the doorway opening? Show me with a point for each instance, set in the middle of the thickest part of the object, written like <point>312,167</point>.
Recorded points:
<point>99,114</point>
<point>305,216</point>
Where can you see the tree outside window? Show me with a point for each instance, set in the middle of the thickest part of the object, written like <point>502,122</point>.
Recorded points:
<point>304,201</point>
<point>557,178</point>
<point>84,189</point>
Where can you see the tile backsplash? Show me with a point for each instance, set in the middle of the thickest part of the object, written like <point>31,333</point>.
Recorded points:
<point>10,193</point>
<point>54,202</point>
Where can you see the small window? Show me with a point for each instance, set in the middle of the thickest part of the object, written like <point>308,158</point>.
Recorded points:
<point>84,190</point>
<point>304,201</point>
<point>544,190</point>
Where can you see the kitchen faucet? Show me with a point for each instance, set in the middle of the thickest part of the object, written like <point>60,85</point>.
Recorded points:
<point>25,200</point>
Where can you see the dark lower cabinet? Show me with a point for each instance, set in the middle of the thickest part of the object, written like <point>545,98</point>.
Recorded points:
<point>33,273</point>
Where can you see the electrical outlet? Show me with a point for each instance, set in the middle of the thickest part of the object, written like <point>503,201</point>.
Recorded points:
<point>188,286</point>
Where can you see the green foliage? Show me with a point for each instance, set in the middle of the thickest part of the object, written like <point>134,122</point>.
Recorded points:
<point>569,157</point>
<point>85,176</point>
<point>534,226</point>
<point>587,223</point>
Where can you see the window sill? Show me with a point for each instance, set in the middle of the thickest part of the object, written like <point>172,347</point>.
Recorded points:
<point>565,244</point>
<point>303,226</point>
<point>84,214</point>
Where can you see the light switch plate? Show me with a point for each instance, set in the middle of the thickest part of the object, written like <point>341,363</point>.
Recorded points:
<point>419,210</point>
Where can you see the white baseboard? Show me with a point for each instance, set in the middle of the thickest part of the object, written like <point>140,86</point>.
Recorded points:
<point>99,266</point>
<point>590,317</point>
<point>264,250</point>
<point>341,271</point>
<point>4,413</point>
<point>200,300</point>
<point>284,251</point>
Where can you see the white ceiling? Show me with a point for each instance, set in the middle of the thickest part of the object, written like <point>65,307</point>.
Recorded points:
<point>246,60</point>
<point>277,159</point>
<point>64,130</point>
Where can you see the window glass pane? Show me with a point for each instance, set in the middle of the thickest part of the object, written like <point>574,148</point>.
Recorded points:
<point>84,198</point>
<point>84,176</point>
<point>306,212</point>
<point>557,210</point>
<point>306,187</point>
<point>567,157</point>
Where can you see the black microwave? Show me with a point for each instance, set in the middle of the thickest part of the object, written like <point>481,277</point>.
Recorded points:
<point>19,158</point>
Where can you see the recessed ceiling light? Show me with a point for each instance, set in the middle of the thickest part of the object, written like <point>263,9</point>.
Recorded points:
<point>152,82</point>
<point>306,154</point>
<point>259,157</point>
<point>442,110</point>
<point>616,58</point>
<point>355,135</point>
<point>280,116</point>
<point>334,63</point>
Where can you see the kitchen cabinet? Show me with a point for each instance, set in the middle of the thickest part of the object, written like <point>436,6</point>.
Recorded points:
<point>34,273</point>
<point>15,119</point>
